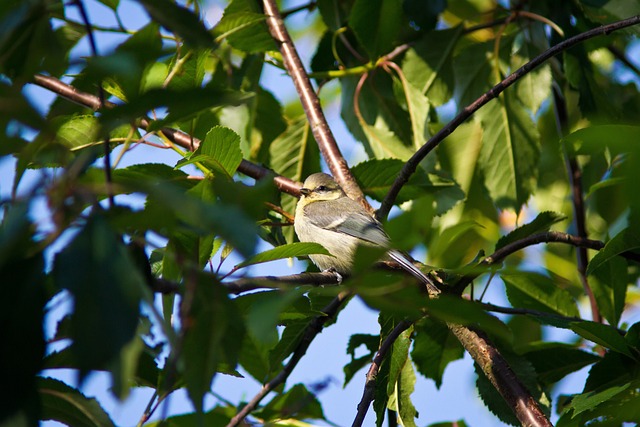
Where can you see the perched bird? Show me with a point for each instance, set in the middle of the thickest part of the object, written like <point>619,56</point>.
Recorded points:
<point>326,215</point>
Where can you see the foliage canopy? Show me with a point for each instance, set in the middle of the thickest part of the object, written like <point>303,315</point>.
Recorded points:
<point>143,246</point>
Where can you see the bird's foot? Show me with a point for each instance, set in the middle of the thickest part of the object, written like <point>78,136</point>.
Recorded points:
<point>335,273</point>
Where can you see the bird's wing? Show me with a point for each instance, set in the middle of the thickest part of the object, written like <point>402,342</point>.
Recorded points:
<point>348,217</point>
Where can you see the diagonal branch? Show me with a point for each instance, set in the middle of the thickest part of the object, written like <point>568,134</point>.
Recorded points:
<point>412,164</point>
<point>311,104</point>
<point>370,383</point>
<point>176,136</point>
<point>312,330</point>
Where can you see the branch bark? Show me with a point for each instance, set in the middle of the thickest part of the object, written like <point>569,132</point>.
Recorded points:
<point>579,217</point>
<point>412,164</point>
<point>372,373</point>
<point>311,104</point>
<point>500,374</point>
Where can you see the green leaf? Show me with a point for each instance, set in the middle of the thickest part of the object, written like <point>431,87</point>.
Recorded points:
<point>212,338</point>
<point>219,150</point>
<point>294,153</point>
<point>597,138</point>
<point>510,151</point>
<point>297,402</point>
<point>377,120</point>
<point>535,86</point>
<point>376,24</point>
<point>273,307</point>
<point>243,25</point>
<point>419,108</point>
<point>218,416</point>
<point>588,401</point>
<point>609,285</point>
<point>431,70</point>
<point>456,310</point>
<point>371,343</point>
<point>111,4</point>
<point>605,335</point>
<point>407,413</point>
<point>69,406</point>
<point>539,292</point>
<point>376,176</point>
<point>107,287</point>
<point>285,251</point>
<point>627,240</point>
<point>179,20</point>
<point>607,11</point>
<point>541,223</point>
<point>434,347</point>
<point>555,361</point>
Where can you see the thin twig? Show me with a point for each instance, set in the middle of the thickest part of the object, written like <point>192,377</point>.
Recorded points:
<point>534,239</point>
<point>312,330</point>
<point>412,164</point>
<point>372,373</point>
<point>620,56</point>
<point>101,97</point>
<point>311,104</point>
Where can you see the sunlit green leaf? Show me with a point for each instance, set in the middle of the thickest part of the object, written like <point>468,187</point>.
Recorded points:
<point>434,348</point>
<point>510,151</point>
<point>285,251</point>
<point>538,292</point>
<point>431,70</point>
<point>376,24</point>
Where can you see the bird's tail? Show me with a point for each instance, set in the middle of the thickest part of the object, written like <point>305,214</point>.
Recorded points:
<point>408,266</point>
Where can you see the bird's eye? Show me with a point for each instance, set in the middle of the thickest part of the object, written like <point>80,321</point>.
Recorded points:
<point>322,188</point>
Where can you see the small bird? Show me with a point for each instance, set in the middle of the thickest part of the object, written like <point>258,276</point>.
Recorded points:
<point>326,215</point>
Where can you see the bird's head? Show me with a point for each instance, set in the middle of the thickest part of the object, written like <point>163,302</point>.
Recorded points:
<point>320,186</point>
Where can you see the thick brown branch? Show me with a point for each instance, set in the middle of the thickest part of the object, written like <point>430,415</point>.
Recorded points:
<point>372,373</point>
<point>311,104</point>
<point>500,374</point>
<point>313,329</point>
<point>412,164</point>
<point>176,136</point>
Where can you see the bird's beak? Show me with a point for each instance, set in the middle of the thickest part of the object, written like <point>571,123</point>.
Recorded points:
<point>305,191</point>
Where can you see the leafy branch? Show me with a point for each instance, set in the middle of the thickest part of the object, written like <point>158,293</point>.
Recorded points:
<point>412,164</point>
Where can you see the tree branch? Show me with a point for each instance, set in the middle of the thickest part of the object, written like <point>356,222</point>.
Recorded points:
<point>312,330</point>
<point>412,164</point>
<point>311,104</point>
<point>176,136</point>
<point>372,373</point>
<point>575,178</point>
<point>500,374</point>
